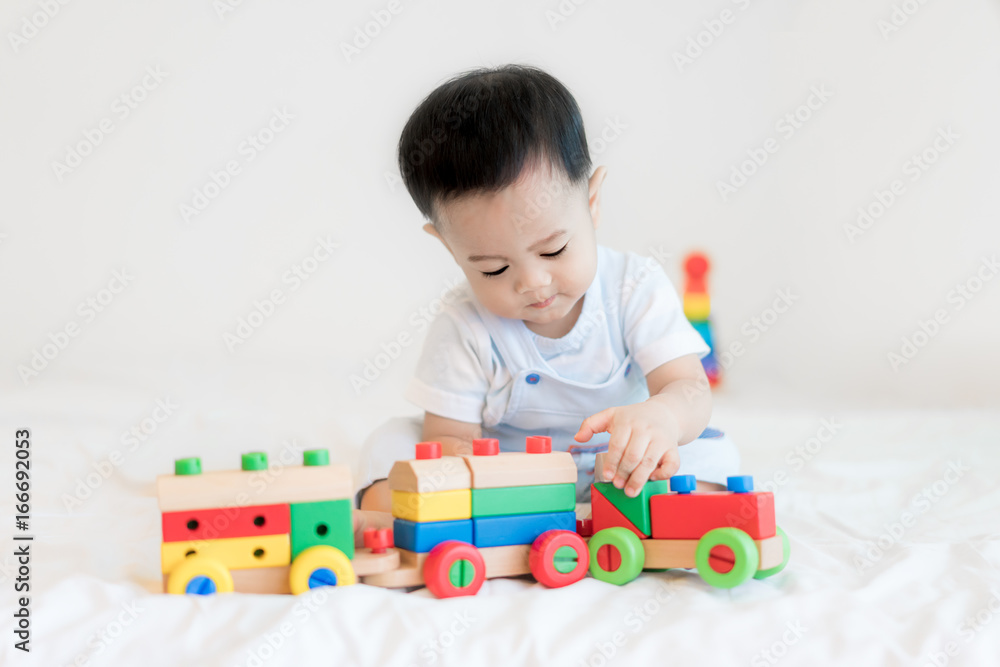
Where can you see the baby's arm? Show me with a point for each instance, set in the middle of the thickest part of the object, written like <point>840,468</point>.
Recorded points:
<point>645,436</point>
<point>455,437</point>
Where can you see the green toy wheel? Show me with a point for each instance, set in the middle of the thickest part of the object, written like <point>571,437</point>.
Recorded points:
<point>726,557</point>
<point>786,551</point>
<point>627,561</point>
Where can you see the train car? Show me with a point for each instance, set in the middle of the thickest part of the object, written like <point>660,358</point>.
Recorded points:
<point>462,520</point>
<point>262,529</point>
<point>727,536</point>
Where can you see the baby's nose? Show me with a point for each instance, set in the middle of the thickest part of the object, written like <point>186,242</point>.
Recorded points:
<point>534,279</point>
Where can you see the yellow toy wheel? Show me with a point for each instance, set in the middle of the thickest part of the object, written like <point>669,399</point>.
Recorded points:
<point>200,575</point>
<point>321,565</point>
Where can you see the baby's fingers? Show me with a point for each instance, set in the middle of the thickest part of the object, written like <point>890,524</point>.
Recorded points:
<point>670,463</point>
<point>596,423</point>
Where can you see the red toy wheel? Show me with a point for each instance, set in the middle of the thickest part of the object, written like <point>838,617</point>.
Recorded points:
<point>454,568</point>
<point>559,558</point>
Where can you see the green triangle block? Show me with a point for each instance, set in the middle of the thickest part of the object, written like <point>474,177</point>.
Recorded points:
<point>635,509</point>
<point>324,522</point>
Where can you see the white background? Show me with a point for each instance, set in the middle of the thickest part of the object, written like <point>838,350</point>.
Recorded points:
<point>848,443</point>
<point>332,173</point>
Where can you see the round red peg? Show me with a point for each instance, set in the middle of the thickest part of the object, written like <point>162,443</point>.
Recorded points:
<point>538,444</point>
<point>485,447</point>
<point>428,450</point>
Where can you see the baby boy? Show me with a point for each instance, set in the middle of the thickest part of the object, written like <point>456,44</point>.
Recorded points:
<point>552,334</point>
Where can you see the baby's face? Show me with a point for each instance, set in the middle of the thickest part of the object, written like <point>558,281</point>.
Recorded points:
<point>528,251</point>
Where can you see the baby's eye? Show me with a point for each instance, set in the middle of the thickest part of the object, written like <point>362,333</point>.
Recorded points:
<point>492,274</point>
<point>556,253</point>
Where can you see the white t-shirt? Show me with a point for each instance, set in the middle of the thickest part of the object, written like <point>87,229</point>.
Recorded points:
<point>461,371</point>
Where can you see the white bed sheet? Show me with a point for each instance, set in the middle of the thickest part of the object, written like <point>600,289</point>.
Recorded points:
<point>95,572</point>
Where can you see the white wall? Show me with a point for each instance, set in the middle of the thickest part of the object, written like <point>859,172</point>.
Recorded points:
<point>329,173</point>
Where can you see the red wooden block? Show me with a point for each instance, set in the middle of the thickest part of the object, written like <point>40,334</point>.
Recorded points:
<point>428,450</point>
<point>226,522</point>
<point>485,447</point>
<point>584,527</point>
<point>538,444</point>
<point>689,516</point>
<point>605,515</point>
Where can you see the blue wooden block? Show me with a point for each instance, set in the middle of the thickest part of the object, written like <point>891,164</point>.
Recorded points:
<point>424,536</point>
<point>499,531</point>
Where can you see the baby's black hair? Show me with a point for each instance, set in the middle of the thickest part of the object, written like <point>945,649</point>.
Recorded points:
<point>475,133</point>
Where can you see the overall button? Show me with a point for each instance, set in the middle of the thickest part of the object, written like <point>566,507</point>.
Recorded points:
<point>532,379</point>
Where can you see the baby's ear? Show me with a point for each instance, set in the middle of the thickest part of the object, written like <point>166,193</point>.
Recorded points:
<point>432,230</point>
<point>594,194</point>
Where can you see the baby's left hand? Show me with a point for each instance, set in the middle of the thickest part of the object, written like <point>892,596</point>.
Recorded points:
<point>643,443</point>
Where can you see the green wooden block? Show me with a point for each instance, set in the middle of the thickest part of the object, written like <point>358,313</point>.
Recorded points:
<point>635,509</point>
<point>324,522</point>
<point>535,499</point>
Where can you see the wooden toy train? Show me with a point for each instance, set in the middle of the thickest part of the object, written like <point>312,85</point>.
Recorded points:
<point>457,521</point>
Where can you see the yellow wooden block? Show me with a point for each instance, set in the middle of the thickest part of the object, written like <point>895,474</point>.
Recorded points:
<point>241,488</point>
<point>697,306</point>
<point>234,552</point>
<point>438,506</point>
